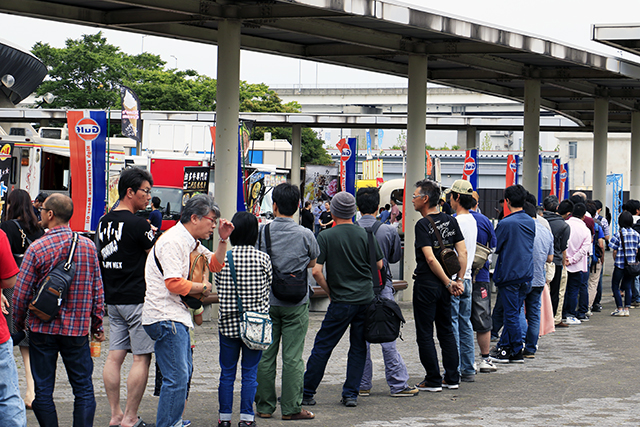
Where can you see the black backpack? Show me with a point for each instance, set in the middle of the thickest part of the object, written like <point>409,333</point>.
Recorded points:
<point>290,287</point>
<point>383,318</point>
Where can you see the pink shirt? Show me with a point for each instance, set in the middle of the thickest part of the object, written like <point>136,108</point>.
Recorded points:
<point>579,246</point>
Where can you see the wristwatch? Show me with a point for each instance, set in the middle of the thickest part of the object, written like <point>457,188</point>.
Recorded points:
<point>222,240</point>
<point>450,283</point>
<point>204,288</point>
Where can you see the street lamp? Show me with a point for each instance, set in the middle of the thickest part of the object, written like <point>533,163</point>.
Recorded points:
<point>8,80</point>
<point>404,159</point>
<point>176,60</point>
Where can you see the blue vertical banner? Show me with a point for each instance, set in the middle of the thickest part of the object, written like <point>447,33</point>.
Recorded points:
<point>369,155</point>
<point>564,180</point>
<point>351,167</point>
<point>517,164</point>
<point>470,168</point>
<point>240,206</point>
<point>539,180</point>
<point>380,137</point>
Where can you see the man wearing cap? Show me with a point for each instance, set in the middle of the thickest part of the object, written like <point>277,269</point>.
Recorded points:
<point>345,251</point>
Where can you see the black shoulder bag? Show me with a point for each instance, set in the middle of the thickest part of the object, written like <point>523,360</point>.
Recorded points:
<point>289,287</point>
<point>447,257</point>
<point>53,289</point>
<point>630,268</point>
<point>383,319</point>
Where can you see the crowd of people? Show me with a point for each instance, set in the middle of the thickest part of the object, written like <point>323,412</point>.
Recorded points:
<point>551,255</point>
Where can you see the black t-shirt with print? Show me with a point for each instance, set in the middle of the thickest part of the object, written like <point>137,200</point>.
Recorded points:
<point>122,240</point>
<point>425,236</point>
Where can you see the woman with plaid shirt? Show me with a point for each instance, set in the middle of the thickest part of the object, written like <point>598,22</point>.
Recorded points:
<point>253,271</point>
<point>631,240</point>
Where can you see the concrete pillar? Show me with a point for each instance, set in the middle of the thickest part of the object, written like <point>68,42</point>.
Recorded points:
<point>472,138</point>
<point>600,129</point>
<point>296,157</point>
<point>634,179</point>
<point>416,134</point>
<point>227,106</point>
<point>531,145</point>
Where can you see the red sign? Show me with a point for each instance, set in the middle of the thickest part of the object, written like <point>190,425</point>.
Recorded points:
<point>87,129</point>
<point>345,154</point>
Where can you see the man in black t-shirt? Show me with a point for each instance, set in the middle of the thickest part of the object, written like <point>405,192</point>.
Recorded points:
<point>123,241</point>
<point>432,288</point>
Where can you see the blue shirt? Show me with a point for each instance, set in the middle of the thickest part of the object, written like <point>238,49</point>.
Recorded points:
<point>542,248</point>
<point>487,237</point>
<point>515,234</point>
<point>155,218</point>
<point>631,242</point>
<point>384,216</point>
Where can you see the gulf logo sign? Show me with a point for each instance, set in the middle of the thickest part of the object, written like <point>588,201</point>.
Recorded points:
<point>87,129</point>
<point>469,166</point>
<point>555,167</point>
<point>514,167</point>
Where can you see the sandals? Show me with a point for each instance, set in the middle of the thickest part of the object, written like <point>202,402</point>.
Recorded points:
<point>302,415</point>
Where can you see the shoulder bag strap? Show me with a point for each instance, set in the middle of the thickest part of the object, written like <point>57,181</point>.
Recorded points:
<point>375,276</point>
<point>74,243</point>
<point>376,225</point>
<point>435,229</point>
<point>157,260</point>
<point>267,238</point>
<point>232,269</point>
<point>624,252</point>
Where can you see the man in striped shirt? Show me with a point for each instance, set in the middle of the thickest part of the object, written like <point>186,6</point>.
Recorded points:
<point>80,314</point>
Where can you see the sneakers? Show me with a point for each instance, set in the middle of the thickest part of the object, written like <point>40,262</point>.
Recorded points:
<point>572,321</point>
<point>349,402</point>
<point>450,386</point>
<point>517,357</point>
<point>247,424</point>
<point>635,304</point>
<point>407,392</point>
<point>589,313</point>
<point>485,365</point>
<point>425,387</point>
<point>528,355</point>
<point>308,401</point>
<point>224,423</point>
<point>364,392</point>
<point>619,313</point>
<point>626,312</point>
<point>597,308</point>
<point>501,355</point>
<point>583,319</point>
<point>186,423</point>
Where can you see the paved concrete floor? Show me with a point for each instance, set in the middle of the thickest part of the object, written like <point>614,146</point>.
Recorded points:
<point>586,375</point>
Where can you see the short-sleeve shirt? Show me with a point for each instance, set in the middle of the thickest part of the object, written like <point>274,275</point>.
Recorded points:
<point>155,218</point>
<point>122,240</point>
<point>292,248</point>
<point>344,249</point>
<point>325,217</point>
<point>8,268</point>
<point>425,236</point>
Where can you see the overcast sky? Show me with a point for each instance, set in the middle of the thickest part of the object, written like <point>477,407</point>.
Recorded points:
<point>566,21</point>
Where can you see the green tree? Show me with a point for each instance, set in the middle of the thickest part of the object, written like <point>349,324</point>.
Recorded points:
<point>485,145</point>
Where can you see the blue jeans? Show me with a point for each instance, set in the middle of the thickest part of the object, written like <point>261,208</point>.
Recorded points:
<point>463,330</point>
<point>394,367</point>
<point>43,350</point>
<point>173,356</point>
<point>229,355</point>
<point>635,290</point>
<point>512,297</point>
<point>532,311</point>
<point>338,318</point>
<point>619,280</point>
<point>11,404</point>
<point>576,299</point>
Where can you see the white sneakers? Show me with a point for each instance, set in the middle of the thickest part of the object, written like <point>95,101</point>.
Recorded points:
<point>572,321</point>
<point>621,313</point>
<point>486,365</point>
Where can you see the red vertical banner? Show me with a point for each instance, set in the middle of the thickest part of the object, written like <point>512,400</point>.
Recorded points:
<point>429,166</point>
<point>212,130</point>
<point>343,148</point>
<point>511,174</point>
<point>554,177</point>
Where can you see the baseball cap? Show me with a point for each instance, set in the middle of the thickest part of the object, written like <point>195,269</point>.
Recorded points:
<point>461,186</point>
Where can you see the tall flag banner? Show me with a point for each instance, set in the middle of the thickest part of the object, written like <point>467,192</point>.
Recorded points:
<point>539,179</point>
<point>554,177</point>
<point>5,173</point>
<point>563,188</point>
<point>368,134</point>
<point>240,206</point>
<point>130,113</point>
<point>380,137</point>
<point>347,150</point>
<point>512,176</point>
<point>212,130</point>
<point>470,168</point>
<point>429,166</point>
<point>87,163</point>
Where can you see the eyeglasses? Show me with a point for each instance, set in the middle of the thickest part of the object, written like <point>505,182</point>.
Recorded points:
<point>40,209</point>
<point>146,190</point>
<point>415,196</point>
<point>213,220</point>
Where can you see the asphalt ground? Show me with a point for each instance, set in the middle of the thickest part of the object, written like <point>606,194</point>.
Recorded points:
<point>585,375</point>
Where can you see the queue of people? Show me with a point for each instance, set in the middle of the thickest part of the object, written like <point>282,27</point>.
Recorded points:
<point>147,285</point>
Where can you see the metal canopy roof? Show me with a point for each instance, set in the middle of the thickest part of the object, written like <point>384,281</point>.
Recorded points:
<point>625,37</point>
<point>379,36</point>
<point>27,70</point>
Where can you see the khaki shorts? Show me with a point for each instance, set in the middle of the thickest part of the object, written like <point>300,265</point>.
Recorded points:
<point>126,331</point>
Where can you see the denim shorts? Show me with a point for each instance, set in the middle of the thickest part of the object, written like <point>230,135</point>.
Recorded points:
<point>481,307</point>
<point>126,331</point>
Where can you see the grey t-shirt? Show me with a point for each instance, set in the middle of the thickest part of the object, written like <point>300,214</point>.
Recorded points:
<point>292,247</point>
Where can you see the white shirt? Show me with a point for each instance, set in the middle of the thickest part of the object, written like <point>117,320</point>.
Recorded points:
<point>173,249</point>
<point>469,228</point>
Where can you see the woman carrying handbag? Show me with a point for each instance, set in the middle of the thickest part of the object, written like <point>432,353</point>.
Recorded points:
<point>243,289</point>
<point>624,245</point>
